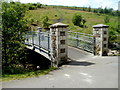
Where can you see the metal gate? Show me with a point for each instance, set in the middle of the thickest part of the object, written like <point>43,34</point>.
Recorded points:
<point>81,40</point>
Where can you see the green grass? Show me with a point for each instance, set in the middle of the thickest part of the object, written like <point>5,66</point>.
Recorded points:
<point>66,15</point>
<point>8,77</point>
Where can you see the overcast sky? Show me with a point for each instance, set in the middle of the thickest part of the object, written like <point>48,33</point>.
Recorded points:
<point>80,3</point>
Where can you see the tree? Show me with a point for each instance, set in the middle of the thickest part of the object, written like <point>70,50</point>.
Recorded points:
<point>39,5</point>
<point>106,10</point>
<point>77,19</point>
<point>101,10</point>
<point>106,19</point>
<point>83,21</point>
<point>95,11</point>
<point>89,9</point>
<point>13,29</point>
<point>45,21</point>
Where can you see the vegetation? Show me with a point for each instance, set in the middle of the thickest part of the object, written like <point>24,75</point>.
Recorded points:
<point>33,6</point>
<point>26,74</point>
<point>14,54</point>
<point>18,18</point>
<point>45,21</point>
<point>14,27</point>
<point>77,19</point>
<point>106,19</point>
<point>0,39</point>
<point>108,11</point>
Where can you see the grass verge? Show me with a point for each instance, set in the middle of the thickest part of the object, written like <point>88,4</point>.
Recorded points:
<point>8,77</point>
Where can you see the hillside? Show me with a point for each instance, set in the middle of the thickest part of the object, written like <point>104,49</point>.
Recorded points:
<point>56,14</point>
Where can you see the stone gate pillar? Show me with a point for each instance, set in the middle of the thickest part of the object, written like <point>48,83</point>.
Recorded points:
<point>58,43</point>
<point>100,32</point>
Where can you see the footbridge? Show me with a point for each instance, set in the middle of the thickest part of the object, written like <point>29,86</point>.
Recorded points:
<point>54,44</point>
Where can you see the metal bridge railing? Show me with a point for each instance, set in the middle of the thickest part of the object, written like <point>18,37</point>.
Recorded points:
<point>81,40</point>
<point>40,40</point>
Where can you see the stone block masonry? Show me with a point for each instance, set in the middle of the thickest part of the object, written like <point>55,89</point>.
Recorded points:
<point>100,33</point>
<point>58,44</point>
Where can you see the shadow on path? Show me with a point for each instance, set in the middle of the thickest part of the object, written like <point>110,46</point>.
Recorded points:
<point>79,63</point>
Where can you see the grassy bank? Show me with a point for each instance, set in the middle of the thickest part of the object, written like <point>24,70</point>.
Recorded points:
<point>8,77</point>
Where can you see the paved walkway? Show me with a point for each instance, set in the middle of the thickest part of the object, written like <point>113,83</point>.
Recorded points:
<point>84,71</point>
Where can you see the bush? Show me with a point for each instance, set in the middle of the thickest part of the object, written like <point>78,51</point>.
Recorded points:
<point>32,7</point>
<point>39,5</point>
<point>14,27</point>
<point>106,19</point>
<point>77,18</point>
<point>45,21</point>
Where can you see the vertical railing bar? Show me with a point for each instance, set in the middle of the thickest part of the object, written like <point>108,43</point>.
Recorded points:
<point>32,39</point>
<point>48,44</point>
<point>39,40</point>
<point>94,45</point>
<point>27,38</point>
<point>77,40</point>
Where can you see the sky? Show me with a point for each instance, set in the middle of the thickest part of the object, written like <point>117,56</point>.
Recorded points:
<point>80,3</point>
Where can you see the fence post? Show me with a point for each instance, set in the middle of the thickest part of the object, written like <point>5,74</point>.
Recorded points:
<point>33,39</point>
<point>40,29</point>
<point>28,38</point>
<point>100,32</point>
<point>77,41</point>
<point>48,44</point>
<point>58,43</point>
<point>94,45</point>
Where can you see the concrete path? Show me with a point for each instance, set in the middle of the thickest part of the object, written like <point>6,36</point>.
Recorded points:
<point>84,71</point>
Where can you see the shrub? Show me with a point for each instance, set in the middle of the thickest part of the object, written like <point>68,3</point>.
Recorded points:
<point>14,27</point>
<point>77,18</point>
<point>106,19</point>
<point>45,21</point>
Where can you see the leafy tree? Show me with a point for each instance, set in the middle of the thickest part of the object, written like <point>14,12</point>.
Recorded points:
<point>89,9</point>
<point>83,21</point>
<point>83,9</point>
<point>112,38</point>
<point>13,29</point>
<point>32,7</point>
<point>106,19</point>
<point>106,10</point>
<point>113,32</point>
<point>117,13</point>
<point>110,11</point>
<point>45,20</point>
<point>77,19</point>
<point>100,10</point>
<point>95,11</point>
<point>39,5</point>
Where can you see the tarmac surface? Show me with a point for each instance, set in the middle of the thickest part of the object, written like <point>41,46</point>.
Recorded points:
<point>83,71</point>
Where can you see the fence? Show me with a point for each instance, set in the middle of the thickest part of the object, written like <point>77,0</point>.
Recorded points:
<point>82,41</point>
<point>40,40</point>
